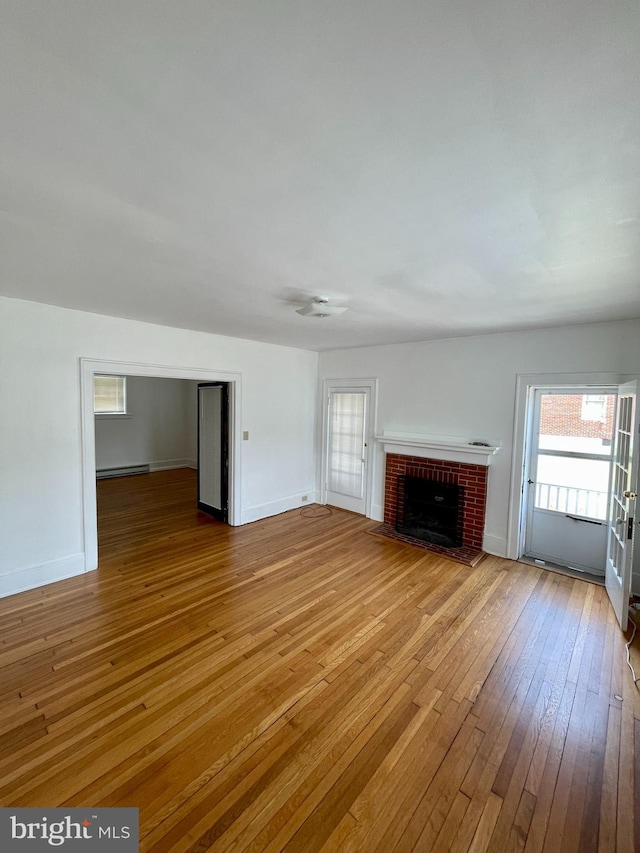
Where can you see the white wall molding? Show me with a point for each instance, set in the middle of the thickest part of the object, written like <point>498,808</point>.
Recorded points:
<point>496,545</point>
<point>32,576</point>
<point>266,510</point>
<point>377,512</point>
<point>447,448</point>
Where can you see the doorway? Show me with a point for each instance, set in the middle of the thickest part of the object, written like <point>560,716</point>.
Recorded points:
<point>88,369</point>
<point>567,477</point>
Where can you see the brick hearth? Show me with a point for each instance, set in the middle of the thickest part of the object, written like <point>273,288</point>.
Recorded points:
<point>472,477</point>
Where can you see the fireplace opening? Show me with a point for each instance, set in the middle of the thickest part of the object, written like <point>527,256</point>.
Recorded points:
<point>430,511</point>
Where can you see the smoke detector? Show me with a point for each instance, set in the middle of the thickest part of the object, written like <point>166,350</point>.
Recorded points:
<point>319,307</point>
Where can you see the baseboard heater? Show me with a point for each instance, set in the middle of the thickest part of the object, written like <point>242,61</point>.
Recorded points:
<point>124,471</point>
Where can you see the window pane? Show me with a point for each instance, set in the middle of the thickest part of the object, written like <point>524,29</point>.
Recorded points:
<point>579,423</point>
<point>109,395</point>
<point>346,444</point>
<point>594,407</point>
<point>573,486</point>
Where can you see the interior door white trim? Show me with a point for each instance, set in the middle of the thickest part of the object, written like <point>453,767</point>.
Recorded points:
<point>88,367</point>
<point>525,383</point>
<point>370,385</point>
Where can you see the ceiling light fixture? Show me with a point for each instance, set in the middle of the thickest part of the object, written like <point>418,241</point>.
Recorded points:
<point>319,307</point>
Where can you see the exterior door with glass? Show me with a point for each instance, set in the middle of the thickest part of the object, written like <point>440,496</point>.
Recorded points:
<point>569,465</point>
<point>347,446</point>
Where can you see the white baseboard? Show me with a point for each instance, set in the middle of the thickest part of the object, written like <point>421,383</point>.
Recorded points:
<point>170,464</point>
<point>495,545</point>
<point>255,513</point>
<point>34,576</point>
<point>377,513</point>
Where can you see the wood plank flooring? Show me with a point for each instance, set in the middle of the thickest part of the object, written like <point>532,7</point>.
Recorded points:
<point>298,684</point>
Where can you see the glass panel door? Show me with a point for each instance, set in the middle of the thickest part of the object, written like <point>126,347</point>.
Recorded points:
<point>346,448</point>
<point>346,444</point>
<point>569,475</point>
<point>621,560</point>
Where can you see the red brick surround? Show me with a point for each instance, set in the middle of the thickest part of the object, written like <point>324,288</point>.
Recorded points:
<point>472,477</point>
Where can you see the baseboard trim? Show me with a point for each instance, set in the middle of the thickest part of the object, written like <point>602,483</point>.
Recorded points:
<point>377,513</point>
<point>495,545</point>
<point>170,464</point>
<point>31,577</point>
<point>266,510</point>
<point>145,468</point>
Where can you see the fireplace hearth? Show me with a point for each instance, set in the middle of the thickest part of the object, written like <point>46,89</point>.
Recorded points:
<point>430,510</point>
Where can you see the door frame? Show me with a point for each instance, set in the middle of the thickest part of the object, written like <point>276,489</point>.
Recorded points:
<point>87,368</point>
<point>370,385</point>
<point>525,384</point>
<point>221,514</point>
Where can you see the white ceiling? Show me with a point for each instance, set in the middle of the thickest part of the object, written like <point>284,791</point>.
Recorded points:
<point>444,168</point>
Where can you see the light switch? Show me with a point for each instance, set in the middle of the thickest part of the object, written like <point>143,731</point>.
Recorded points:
<point>245,435</point>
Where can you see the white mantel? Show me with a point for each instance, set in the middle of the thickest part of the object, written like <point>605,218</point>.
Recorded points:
<point>445,447</point>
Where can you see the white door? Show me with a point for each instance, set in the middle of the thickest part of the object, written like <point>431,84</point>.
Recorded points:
<point>348,414</point>
<point>569,470</point>
<point>624,487</point>
<point>212,449</point>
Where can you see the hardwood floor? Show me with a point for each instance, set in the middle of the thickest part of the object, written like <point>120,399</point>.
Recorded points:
<point>298,685</point>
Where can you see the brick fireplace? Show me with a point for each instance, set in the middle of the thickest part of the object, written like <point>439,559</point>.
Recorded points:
<point>473,479</point>
<point>459,462</point>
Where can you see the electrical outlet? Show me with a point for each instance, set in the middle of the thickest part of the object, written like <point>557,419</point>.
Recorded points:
<point>304,498</point>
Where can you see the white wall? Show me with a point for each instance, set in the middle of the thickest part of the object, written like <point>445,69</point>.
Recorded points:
<point>191,408</point>
<point>41,499</point>
<point>158,430</point>
<point>466,387</point>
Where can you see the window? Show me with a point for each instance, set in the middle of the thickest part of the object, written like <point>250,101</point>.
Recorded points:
<point>110,395</point>
<point>594,407</point>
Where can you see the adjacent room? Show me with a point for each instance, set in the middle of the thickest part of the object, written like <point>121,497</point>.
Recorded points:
<point>319,362</point>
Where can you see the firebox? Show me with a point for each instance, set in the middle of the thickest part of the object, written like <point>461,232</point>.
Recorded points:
<point>430,511</point>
